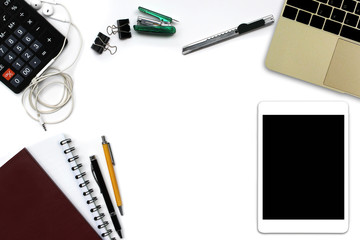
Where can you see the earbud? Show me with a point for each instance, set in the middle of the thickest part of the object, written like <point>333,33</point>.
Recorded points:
<point>47,9</point>
<point>36,4</point>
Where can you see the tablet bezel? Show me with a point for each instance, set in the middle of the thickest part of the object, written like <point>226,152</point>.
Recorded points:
<point>302,226</point>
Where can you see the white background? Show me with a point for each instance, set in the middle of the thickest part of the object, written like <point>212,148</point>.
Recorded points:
<point>183,128</point>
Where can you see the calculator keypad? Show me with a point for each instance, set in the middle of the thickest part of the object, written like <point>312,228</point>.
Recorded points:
<point>28,42</point>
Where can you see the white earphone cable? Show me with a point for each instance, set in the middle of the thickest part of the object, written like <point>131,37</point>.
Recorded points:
<point>43,82</point>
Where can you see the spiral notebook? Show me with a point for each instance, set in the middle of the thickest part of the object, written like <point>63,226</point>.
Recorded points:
<point>65,180</point>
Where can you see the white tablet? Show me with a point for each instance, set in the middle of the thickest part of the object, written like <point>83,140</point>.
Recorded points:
<point>303,167</point>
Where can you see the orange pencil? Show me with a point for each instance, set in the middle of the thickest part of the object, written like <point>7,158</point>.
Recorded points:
<point>110,163</point>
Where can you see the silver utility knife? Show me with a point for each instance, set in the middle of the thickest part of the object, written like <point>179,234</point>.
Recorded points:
<point>231,33</point>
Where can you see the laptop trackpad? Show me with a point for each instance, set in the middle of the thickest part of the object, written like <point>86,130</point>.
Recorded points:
<point>344,70</point>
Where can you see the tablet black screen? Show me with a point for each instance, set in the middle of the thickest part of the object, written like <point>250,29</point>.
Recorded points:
<point>303,167</point>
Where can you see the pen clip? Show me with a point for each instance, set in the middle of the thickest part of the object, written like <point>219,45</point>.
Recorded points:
<point>92,158</point>
<point>94,174</point>
<point>111,154</point>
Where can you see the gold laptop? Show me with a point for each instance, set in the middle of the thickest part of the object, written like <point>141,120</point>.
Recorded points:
<point>318,41</point>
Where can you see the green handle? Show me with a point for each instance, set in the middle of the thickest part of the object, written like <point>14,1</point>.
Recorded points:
<point>161,30</point>
<point>155,14</point>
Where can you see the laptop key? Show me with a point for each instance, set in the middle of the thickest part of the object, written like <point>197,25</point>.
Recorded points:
<point>338,15</point>
<point>317,22</point>
<point>290,12</point>
<point>303,17</point>
<point>332,27</point>
<point>351,19</point>
<point>324,11</point>
<point>351,33</point>
<point>357,9</point>
<point>323,1</point>
<point>307,5</point>
<point>349,5</point>
<point>335,3</point>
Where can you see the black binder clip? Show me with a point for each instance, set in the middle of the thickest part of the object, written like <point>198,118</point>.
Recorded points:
<point>122,28</point>
<point>101,44</point>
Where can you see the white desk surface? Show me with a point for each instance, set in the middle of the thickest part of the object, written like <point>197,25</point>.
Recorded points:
<point>183,128</point>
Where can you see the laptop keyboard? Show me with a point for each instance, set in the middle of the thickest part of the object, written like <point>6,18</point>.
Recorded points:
<point>340,17</point>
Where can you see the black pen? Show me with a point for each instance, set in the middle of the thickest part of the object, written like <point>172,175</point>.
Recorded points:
<point>100,181</point>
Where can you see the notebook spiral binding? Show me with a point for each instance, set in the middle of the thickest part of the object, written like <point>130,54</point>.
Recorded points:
<point>87,192</point>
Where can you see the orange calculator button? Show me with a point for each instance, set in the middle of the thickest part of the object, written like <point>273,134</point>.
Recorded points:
<point>8,74</point>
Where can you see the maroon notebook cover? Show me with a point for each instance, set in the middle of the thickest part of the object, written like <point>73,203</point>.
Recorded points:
<point>33,207</point>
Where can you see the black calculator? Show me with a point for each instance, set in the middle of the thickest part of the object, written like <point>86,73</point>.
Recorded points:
<point>28,44</point>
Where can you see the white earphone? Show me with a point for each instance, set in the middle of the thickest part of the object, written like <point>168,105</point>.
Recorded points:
<point>31,97</point>
<point>46,6</point>
<point>36,4</point>
<point>48,10</point>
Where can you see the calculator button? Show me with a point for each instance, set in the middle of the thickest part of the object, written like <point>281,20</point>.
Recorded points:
<point>18,64</point>
<point>30,22</point>
<point>35,62</point>
<point>20,31</point>
<point>8,74</point>
<point>4,34</point>
<point>26,71</point>
<point>14,7</point>
<point>10,57</point>
<point>28,38</point>
<point>11,25</point>
<point>48,38</point>
<point>2,67</point>
<point>4,18</point>
<point>19,48</point>
<point>35,46</point>
<point>39,28</point>
<point>17,80</point>
<point>44,54</point>
<point>27,55</point>
<point>6,3</point>
<point>10,41</point>
<point>22,15</point>
<point>3,50</point>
